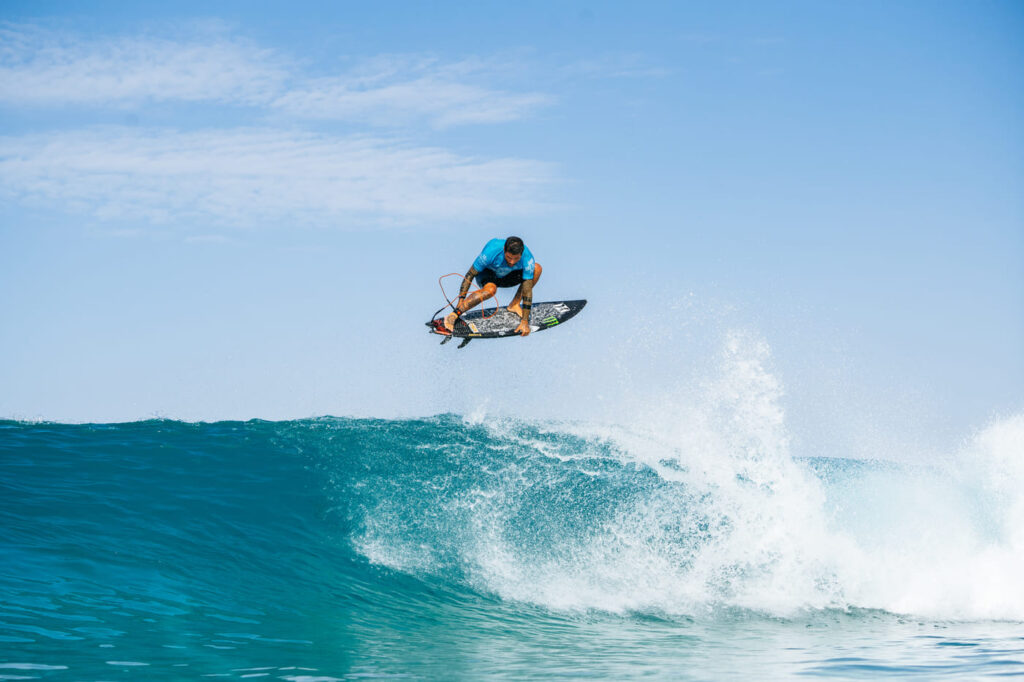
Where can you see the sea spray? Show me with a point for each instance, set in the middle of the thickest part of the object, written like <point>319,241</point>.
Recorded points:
<point>694,504</point>
<point>724,518</point>
<point>940,540</point>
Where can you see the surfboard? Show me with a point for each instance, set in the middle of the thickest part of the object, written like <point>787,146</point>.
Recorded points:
<point>491,324</point>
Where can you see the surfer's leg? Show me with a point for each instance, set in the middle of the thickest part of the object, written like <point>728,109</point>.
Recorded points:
<point>470,302</point>
<point>514,305</point>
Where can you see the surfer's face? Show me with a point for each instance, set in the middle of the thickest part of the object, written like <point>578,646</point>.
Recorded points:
<point>512,260</point>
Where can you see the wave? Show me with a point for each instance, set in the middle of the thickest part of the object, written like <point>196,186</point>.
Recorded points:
<point>690,509</point>
<point>698,508</point>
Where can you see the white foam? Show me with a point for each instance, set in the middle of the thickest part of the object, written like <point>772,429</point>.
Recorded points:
<point>760,511</point>
<point>734,521</point>
<point>750,527</point>
<point>949,542</point>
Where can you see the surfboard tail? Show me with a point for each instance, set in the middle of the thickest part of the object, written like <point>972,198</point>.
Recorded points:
<point>437,327</point>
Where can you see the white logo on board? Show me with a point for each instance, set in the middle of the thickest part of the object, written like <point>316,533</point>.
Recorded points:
<point>560,308</point>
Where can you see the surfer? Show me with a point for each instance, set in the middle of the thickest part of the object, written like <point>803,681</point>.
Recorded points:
<point>502,263</point>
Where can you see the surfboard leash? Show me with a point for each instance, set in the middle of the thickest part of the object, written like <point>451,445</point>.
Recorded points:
<point>453,306</point>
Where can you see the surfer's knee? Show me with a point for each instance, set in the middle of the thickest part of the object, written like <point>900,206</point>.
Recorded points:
<point>490,289</point>
<point>537,269</point>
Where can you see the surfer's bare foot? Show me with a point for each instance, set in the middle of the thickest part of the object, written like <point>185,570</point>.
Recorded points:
<point>449,321</point>
<point>516,308</point>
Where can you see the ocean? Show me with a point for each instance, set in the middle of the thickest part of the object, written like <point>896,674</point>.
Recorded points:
<point>474,547</point>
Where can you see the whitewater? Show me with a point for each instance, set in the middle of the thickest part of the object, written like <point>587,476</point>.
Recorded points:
<point>684,540</point>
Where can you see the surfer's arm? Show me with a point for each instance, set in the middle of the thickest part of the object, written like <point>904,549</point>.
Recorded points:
<point>466,281</point>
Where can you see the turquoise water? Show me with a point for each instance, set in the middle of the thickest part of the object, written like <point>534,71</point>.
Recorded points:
<point>460,548</point>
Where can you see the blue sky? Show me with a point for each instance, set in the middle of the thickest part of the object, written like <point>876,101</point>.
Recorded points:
<point>241,209</point>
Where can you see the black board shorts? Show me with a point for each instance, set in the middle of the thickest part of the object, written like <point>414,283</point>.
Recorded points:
<point>487,276</point>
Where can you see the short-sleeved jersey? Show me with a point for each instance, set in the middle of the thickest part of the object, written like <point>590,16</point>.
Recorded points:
<point>493,258</point>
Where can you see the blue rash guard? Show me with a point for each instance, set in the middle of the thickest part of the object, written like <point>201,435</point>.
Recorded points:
<point>493,258</point>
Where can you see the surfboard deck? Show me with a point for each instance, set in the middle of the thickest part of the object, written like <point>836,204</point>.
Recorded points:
<point>488,324</point>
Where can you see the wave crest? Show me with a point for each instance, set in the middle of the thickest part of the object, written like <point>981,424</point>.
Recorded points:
<point>696,504</point>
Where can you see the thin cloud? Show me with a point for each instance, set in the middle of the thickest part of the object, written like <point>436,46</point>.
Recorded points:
<point>442,103</point>
<point>208,239</point>
<point>700,38</point>
<point>46,68</point>
<point>616,66</point>
<point>769,41</point>
<point>261,177</point>
<point>253,176</point>
<point>39,67</point>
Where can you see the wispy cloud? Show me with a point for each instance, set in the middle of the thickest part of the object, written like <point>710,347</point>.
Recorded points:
<point>208,239</point>
<point>260,177</point>
<point>40,68</point>
<point>400,89</point>
<point>616,66</point>
<point>442,102</point>
<point>700,38</point>
<point>276,173</point>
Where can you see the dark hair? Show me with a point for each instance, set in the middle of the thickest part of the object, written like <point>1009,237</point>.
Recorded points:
<point>514,245</point>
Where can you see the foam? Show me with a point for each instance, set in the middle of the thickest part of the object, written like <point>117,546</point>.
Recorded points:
<point>710,511</point>
<point>726,457</point>
<point>944,542</point>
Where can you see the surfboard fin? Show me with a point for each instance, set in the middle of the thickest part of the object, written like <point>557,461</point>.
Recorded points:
<point>446,340</point>
<point>464,342</point>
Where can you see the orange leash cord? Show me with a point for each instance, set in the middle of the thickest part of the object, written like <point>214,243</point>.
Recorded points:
<point>440,283</point>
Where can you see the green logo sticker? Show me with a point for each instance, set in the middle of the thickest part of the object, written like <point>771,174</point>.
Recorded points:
<point>551,321</point>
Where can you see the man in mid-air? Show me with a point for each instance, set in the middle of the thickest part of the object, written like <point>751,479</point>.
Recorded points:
<point>502,263</point>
